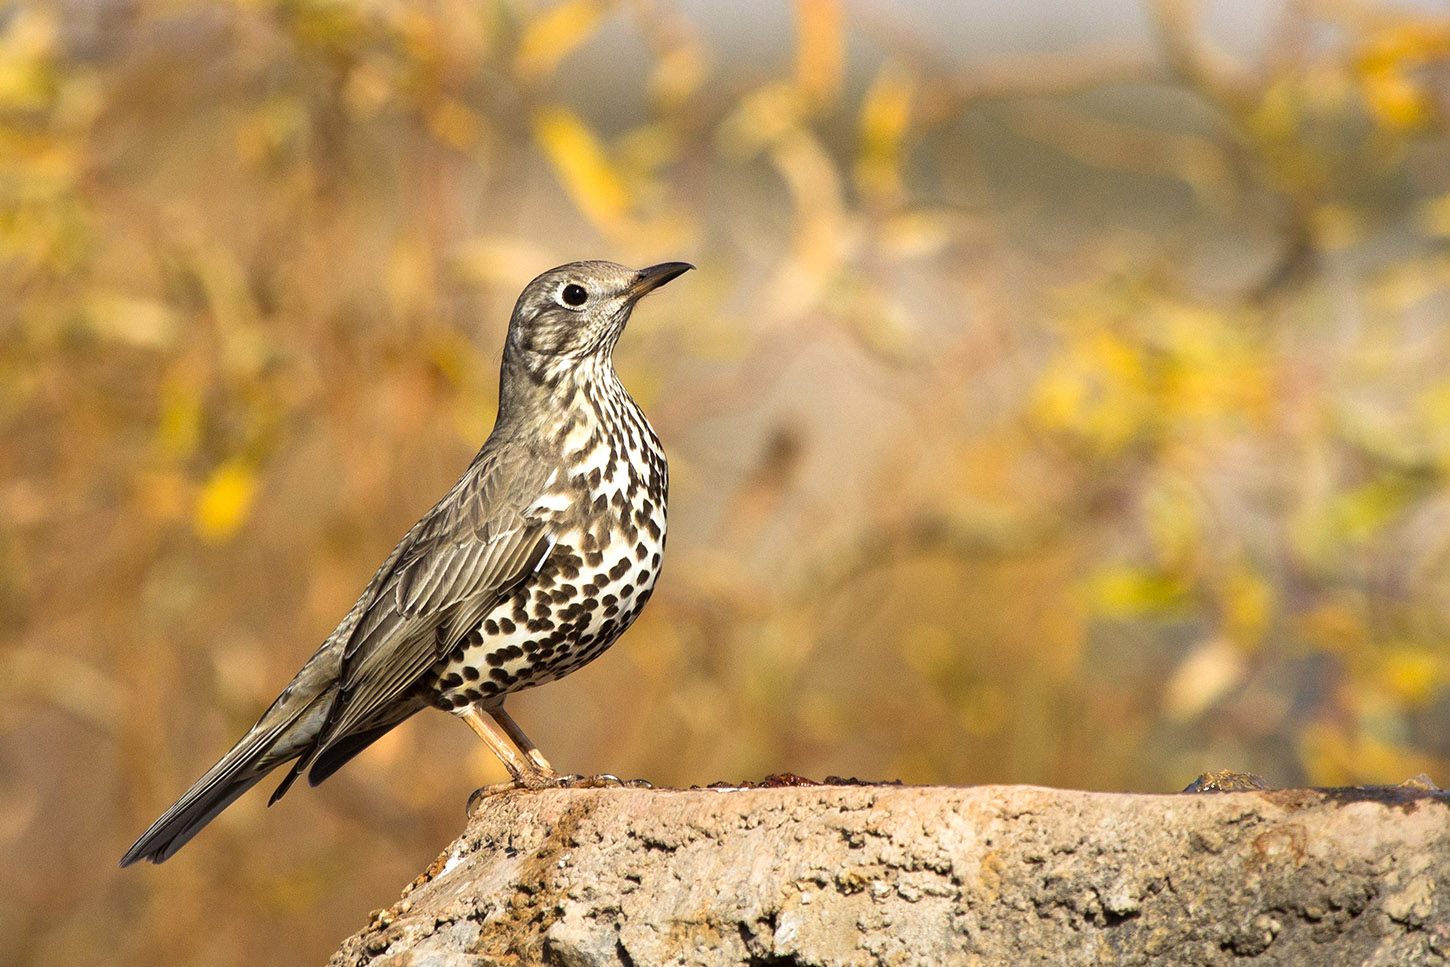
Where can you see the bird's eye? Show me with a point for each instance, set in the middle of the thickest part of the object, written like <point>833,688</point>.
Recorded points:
<point>574,295</point>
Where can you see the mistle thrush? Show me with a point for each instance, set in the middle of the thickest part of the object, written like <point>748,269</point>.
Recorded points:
<point>537,559</point>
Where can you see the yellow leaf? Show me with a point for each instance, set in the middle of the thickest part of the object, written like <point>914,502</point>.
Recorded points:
<point>916,234</point>
<point>820,49</point>
<point>1098,388</point>
<point>27,46</point>
<point>885,116</point>
<point>553,35</point>
<point>677,75</point>
<point>1394,98</point>
<point>1358,514</point>
<point>455,124</point>
<point>1248,606</point>
<point>1386,68</point>
<point>178,431</point>
<point>579,160</point>
<point>139,322</point>
<point>225,500</point>
<point>1126,592</point>
<point>1412,674</point>
<point>1206,674</point>
<point>764,117</point>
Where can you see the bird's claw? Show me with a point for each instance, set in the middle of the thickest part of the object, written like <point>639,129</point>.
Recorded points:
<point>602,781</point>
<point>483,792</point>
<point>569,781</point>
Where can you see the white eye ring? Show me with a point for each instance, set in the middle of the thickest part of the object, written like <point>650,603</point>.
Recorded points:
<point>572,295</point>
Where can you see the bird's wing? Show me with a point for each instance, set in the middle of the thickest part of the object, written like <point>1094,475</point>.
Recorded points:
<point>459,561</point>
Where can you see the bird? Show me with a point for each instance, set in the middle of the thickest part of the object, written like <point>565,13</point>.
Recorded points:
<point>538,558</point>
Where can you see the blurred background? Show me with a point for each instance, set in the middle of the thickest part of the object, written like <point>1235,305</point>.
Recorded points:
<point>1063,398</point>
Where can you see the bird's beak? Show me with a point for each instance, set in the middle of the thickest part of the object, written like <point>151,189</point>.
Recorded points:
<point>655,276</point>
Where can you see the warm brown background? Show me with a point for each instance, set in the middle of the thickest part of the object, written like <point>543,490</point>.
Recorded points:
<point>1071,408</point>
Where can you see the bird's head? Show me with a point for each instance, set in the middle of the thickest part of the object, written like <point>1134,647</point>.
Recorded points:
<point>579,310</point>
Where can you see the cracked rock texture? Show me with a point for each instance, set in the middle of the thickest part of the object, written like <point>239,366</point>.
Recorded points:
<point>866,875</point>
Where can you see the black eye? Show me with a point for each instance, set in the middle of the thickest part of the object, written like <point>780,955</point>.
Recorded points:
<point>574,295</point>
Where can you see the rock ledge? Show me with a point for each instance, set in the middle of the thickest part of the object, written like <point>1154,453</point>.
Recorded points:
<point>865,875</point>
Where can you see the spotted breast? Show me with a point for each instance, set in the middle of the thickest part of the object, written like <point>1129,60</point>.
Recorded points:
<point>607,506</point>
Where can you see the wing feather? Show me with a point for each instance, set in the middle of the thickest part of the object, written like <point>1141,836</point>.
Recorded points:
<point>467,555</point>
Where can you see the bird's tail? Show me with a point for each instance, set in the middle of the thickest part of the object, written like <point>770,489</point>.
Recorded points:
<point>280,736</point>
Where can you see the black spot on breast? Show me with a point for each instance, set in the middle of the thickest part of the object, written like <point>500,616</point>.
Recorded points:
<point>643,576</point>
<point>653,528</point>
<point>459,701</point>
<point>656,559</point>
<point>507,626</point>
<point>640,551</point>
<point>470,673</point>
<point>452,680</point>
<point>626,591</point>
<point>594,558</point>
<point>619,570</point>
<point>491,626</point>
<point>564,593</point>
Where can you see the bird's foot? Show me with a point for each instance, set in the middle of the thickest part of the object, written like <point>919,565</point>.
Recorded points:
<point>485,792</point>
<point>534,782</point>
<point>603,781</point>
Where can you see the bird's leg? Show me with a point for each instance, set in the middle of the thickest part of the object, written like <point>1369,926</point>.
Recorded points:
<point>530,770</point>
<point>525,744</point>
<point>521,740</point>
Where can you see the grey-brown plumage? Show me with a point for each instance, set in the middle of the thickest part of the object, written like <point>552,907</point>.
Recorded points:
<point>536,560</point>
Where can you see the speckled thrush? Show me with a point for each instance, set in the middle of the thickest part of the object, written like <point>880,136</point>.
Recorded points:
<point>534,563</point>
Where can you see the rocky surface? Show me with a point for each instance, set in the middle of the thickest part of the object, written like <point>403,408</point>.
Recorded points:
<point>865,875</point>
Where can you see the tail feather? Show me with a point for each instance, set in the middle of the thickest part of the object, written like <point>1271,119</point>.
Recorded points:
<point>287,730</point>
<point>184,820</point>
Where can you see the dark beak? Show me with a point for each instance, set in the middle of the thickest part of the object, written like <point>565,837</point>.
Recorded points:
<point>655,276</point>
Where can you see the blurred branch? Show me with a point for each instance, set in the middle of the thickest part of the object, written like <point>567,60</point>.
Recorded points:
<point>951,88</point>
<point>1200,65</point>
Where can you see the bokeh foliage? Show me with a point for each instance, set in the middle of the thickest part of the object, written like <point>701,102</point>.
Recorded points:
<point>1078,418</point>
